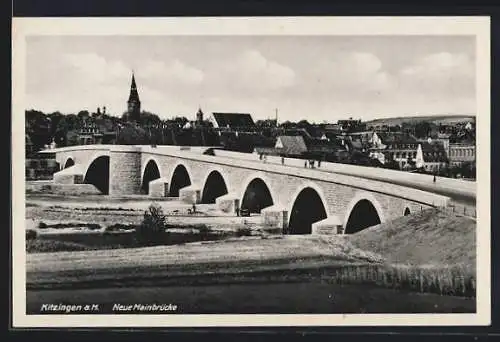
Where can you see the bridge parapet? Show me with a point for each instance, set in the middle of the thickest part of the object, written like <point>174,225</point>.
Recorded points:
<point>404,192</point>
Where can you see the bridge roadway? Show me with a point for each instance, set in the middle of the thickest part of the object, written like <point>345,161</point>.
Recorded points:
<point>459,191</point>
<point>385,185</point>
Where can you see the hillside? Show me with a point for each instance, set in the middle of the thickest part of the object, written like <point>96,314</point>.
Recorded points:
<point>427,238</point>
<point>436,119</point>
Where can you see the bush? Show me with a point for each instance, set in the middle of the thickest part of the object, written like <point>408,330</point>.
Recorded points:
<point>243,231</point>
<point>203,229</point>
<point>153,225</point>
<point>31,234</point>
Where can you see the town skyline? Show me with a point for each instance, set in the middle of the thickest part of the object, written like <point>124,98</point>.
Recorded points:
<point>320,79</point>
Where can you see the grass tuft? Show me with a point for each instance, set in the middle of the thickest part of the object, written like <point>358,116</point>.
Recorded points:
<point>451,280</point>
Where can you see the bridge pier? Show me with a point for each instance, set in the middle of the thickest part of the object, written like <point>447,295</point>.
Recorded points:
<point>275,216</point>
<point>330,225</point>
<point>190,194</point>
<point>159,187</point>
<point>228,203</point>
<point>124,170</point>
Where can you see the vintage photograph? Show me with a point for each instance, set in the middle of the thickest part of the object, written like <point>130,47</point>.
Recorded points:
<point>202,169</point>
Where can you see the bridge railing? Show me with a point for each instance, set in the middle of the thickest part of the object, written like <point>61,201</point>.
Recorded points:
<point>460,210</point>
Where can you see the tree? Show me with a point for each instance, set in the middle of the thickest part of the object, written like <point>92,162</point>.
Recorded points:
<point>422,129</point>
<point>132,135</point>
<point>83,114</point>
<point>153,226</point>
<point>303,124</point>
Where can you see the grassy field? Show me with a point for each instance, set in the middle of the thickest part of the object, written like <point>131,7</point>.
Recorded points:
<point>427,237</point>
<point>426,253</point>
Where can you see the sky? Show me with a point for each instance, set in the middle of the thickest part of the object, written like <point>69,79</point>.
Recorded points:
<point>318,78</point>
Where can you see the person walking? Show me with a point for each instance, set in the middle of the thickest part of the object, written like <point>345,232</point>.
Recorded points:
<point>237,211</point>
<point>434,179</point>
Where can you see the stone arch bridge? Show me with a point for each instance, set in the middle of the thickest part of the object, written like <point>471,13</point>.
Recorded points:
<point>296,199</point>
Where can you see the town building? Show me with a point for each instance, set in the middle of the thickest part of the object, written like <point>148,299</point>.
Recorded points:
<point>394,146</point>
<point>292,146</point>
<point>233,121</point>
<point>89,134</point>
<point>460,153</point>
<point>431,156</point>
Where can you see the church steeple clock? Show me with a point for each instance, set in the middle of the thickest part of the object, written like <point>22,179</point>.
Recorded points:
<point>134,104</point>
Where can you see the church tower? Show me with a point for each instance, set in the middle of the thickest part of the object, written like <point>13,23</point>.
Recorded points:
<point>134,104</point>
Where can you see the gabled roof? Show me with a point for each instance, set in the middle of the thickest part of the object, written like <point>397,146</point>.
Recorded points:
<point>433,152</point>
<point>233,120</point>
<point>291,144</point>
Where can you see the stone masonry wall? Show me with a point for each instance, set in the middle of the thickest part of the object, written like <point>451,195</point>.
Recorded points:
<point>124,172</point>
<point>127,165</point>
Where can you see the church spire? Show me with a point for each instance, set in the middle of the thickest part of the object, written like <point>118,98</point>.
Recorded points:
<point>133,89</point>
<point>134,104</point>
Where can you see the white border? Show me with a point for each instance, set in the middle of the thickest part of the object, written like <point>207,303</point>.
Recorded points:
<point>477,26</point>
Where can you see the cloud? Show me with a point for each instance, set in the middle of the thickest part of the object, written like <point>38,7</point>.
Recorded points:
<point>441,73</point>
<point>252,70</point>
<point>439,64</point>
<point>95,69</point>
<point>174,72</point>
<point>348,72</point>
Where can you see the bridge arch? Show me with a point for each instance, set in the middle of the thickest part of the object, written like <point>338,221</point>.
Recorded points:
<point>150,172</point>
<point>97,173</point>
<point>179,178</point>
<point>214,186</point>
<point>307,207</point>
<point>256,194</point>
<point>362,212</point>
<point>68,162</point>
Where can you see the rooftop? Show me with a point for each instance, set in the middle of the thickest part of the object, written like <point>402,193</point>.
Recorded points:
<point>233,120</point>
